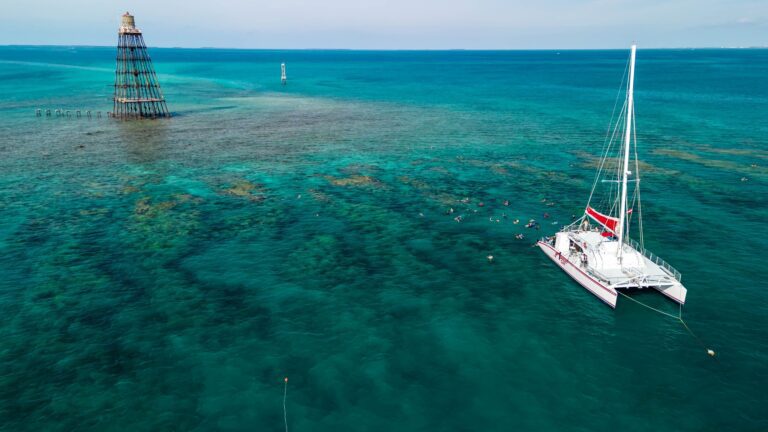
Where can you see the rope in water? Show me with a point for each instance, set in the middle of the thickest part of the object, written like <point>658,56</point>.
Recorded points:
<point>649,307</point>
<point>285,396</point>
<point>678,317</point>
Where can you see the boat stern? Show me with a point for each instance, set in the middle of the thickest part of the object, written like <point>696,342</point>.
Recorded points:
<point>676,292</point>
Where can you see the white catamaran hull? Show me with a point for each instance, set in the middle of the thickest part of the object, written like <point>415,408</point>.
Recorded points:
<point>600,290</point>
<point>603,259</point>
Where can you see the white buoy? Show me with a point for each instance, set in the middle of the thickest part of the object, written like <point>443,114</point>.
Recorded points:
<point>283,76</point>
<point>490,258</point>
<point>711,353</point>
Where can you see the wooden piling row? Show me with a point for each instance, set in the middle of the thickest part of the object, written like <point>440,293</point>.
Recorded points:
<point>68,113</point>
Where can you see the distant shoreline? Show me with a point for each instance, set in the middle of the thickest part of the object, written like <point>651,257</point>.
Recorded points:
<point>399,49</point>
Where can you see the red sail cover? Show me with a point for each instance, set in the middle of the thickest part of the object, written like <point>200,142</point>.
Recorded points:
<point>607,221</point>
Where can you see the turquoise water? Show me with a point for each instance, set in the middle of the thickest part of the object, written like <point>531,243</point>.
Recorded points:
<point>166,275</point>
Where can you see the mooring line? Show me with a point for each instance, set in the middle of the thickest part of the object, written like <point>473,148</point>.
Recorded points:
<point>649,307</point>
<point>679,317</point>
<point>701,342</point>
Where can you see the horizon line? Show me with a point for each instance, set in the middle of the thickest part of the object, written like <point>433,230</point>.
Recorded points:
<point>391,49</point>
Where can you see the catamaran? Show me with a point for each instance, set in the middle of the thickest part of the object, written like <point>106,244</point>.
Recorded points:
<point>595,250</point>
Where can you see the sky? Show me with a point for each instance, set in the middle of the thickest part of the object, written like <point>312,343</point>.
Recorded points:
<point>392,24</point>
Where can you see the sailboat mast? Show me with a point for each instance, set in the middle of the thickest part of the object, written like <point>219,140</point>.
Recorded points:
<point>627,137</point>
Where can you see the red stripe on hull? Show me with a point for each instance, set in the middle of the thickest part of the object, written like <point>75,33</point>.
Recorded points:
<point>610,292</point>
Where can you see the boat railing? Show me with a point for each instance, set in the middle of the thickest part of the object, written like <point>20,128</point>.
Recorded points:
<point>656,260</point>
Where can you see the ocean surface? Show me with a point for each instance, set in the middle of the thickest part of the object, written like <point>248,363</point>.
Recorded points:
<point>167,275</point>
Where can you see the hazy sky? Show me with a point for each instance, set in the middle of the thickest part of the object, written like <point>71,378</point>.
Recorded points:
<point>381,24</point>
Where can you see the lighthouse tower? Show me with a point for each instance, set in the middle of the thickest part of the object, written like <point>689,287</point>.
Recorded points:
<point>137,91</point>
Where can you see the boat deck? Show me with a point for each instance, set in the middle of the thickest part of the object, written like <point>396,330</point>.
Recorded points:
<point>635,269</point>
